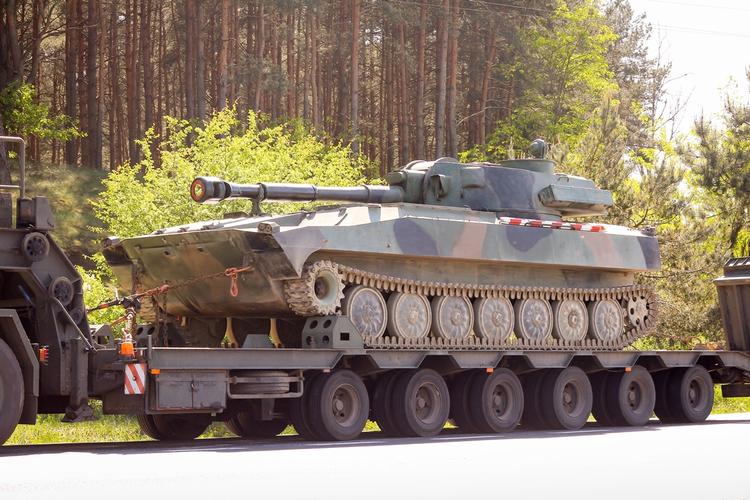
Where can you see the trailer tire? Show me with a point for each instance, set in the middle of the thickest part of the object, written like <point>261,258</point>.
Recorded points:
<point>533,417</point>
<point>460,403</point>
<point>382,403</point>
<point>600,406</point>
<point>244,426</point>
<point>630,397</point>
<point>148,426</point>
<point>421,403</point>
<point>690,394</point>
<point>566,398</point>
<point>11,392</point>
<point>496,401</point>
<point>298,411</point>
<point>661,408</point>
<point>179,427</point>
<point>339,406</point>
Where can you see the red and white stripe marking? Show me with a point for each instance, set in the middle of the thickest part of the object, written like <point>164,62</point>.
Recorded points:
<point>135,378</point>
<point>573,226</point>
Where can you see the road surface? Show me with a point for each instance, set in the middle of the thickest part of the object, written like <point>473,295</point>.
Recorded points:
<point>707,461</point>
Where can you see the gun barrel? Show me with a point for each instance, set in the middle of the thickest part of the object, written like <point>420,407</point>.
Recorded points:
<point>213,190</point>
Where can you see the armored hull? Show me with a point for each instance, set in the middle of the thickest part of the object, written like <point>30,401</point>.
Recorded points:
<point>447,250</point>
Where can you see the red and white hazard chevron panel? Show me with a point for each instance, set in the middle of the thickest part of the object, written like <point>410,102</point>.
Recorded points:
<point>135,378</point>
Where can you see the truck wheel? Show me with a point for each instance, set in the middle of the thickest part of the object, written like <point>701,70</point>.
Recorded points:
<point>339,406</point>
<point>690,394</point>
<point>421,403</point>
<point>147,425</point>
<point>382,403</point>
<point>496,401</point>
<point>244,426</point>
<point>11,392</point>
<point>630,397</point>
<point>566,398</point>
<point>179,427</point>
<point>459,392</point>
<point>298,411</point>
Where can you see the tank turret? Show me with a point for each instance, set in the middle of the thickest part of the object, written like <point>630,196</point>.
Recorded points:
<point>463,252</point>
<point>513,188</point>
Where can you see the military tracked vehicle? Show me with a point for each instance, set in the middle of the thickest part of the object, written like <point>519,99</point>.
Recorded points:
<point>456,291</point>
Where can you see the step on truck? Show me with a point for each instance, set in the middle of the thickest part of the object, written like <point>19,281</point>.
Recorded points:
<point>457,292</point>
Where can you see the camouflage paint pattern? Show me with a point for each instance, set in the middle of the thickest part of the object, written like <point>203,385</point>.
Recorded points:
<point>447,229</point>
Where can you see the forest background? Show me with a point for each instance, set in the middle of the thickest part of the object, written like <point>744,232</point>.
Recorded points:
<point>150,93</point>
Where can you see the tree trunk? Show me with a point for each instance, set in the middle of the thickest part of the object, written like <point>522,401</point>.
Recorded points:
<point>190,62</point>
<point>223,54</point>
<point>71,55</point>
<point>419,103</point>
<point>442,56</point>
<point>453,72</point>
<point>148,72</point>
<point>95,127</point>
<point>482,138</point>
<point>261,48</point>
<point>387,49</point>
<point>355,76</point>
<point>37,39</point>
<point>403,101</point>
<point>12,34</point>
<point>290,109</point>
<point>200,60</point>
<point>82,87</point>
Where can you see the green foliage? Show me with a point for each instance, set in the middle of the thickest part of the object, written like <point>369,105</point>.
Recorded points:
<point>99,286</point>
<point>141,198</point>
<point>23,115</point>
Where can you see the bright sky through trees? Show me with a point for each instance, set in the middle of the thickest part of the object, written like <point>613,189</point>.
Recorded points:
<point>707,41</point>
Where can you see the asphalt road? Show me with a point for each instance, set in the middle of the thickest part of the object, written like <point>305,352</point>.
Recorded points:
<point>707,461</point>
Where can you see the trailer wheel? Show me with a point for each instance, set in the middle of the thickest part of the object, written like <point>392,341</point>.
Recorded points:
<point>11,392</point>
<point>244,426</point>
<point>496,401</point>
<point>421,403</point>
<point>382,403</point>
<point>339,406</point>
<point>298,411</point>
<point>690,394</point>
<point>566,398</point>
<point>630,397</point>
<point>148,426</point>
<point>460,404</point>
<point>532,417</point>
<point>599,407</point>
<point>179,427</point>
<point>662,408</point>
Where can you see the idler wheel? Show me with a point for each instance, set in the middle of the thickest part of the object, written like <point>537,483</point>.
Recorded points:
<point>62,289</point>
<point>409,315</point>
<point>533,319</point>
<point>571,320</point>
<point>452,317</point>
<point>605,320</point>
<point>493,318</point>
<point>35,247</point>
<point>366,309</point>
<point>637,310</point>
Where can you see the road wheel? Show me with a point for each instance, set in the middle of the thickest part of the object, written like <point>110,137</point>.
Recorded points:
<point>147,425</point>
<point>532,417</point>
<point>298,411</point>
<point>631,396</point>
<point>566,398</point>
<point>339,406</point>
<point>421,403</point>
<point>690,394</point>
<point>459,408</point>
<point>382,403</point>
<point>11,392</point>
<point>179,427</point>
<point>244,426</point>
<point>661,408</point>
<point>600,408</point>
<point>496,401</point>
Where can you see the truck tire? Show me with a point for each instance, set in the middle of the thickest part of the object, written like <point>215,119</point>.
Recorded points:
<point>690,394</point>
<point>566,398</point>
<point>245,426</point>
<point>339,406</point>
<point>11,392</point>
<point>421,403</point>
<point>496,401</point>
